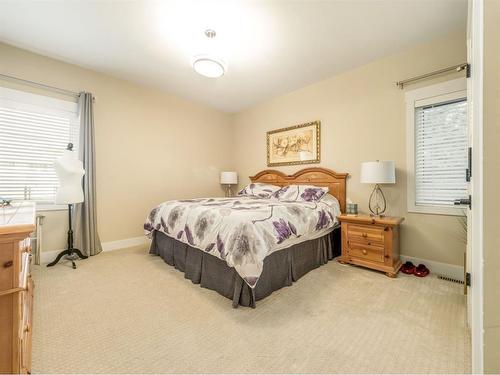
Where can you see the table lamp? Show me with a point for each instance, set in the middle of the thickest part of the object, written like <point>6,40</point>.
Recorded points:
<point>378,172</point>
<point>228,179</point>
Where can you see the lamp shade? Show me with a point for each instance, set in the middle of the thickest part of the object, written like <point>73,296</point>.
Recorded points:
<point>378,172</point>
<point>228,178</point>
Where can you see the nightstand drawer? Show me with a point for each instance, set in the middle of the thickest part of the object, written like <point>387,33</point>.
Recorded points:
<point>361,251</point>
<point>365,234</point>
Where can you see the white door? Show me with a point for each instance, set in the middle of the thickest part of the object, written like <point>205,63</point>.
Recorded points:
<point>474,264</point>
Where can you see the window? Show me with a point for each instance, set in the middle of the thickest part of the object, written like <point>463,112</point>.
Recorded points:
<point>437,147</point>
<point>34,132</point>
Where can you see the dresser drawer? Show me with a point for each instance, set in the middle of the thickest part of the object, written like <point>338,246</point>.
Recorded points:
<point>365,234</point>
<point>8,269</point>
<point>366,252</point>
<point>11,262</point>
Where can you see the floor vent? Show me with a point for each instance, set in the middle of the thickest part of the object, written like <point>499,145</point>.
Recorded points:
<point>450,279</point>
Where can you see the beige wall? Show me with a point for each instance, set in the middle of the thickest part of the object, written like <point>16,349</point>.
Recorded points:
<point>361,111</point>
<point>362,117</point>
<point>150,146</point>
<point>491,171</point>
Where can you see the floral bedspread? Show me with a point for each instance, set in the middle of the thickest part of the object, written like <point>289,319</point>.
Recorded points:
<point>243,230</point>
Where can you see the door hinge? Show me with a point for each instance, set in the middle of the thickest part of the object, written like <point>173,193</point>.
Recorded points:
<point>468,71</point>
<point>468,171</point>
<point>467,278</point>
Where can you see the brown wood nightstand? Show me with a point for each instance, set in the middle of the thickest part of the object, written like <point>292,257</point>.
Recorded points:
<point>372,242</point>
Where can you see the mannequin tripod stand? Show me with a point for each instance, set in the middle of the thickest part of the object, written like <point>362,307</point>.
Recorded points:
<point>71,253</point>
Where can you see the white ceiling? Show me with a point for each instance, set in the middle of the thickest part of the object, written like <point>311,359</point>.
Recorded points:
<point>271,47</point>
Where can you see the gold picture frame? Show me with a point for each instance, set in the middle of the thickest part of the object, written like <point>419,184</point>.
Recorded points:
<point>299,144</point>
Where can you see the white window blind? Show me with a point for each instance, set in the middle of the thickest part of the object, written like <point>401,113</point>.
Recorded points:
<point>441,144</point>
<point>34,131</point>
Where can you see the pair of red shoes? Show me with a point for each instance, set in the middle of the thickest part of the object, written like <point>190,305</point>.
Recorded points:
<point>409,268</point>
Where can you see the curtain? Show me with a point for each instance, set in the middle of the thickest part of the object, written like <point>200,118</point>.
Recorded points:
<point>85,214</point>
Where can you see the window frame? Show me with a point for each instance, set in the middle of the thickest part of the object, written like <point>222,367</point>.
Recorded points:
<point>442,92</point>
<point>49,105</point>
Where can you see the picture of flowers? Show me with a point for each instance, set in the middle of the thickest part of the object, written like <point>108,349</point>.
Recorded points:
<point>299,144</point>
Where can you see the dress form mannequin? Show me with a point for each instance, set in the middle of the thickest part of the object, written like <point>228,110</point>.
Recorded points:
<point>70,172</point>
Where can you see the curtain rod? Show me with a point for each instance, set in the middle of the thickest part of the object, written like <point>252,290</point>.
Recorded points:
<point>42,86</point>
<point>456,68</point>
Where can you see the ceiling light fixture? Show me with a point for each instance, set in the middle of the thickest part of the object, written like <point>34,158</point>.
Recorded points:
<point>208,65</point>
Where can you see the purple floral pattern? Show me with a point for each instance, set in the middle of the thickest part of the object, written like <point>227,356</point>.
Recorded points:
<point>258,190</point>
<point>312,194</point>
<point>189,235</point>
<point>164,225</point>
<point>220,247</point>
<point>284,230</point>
<point>323,220</point>
<point>243,231</point>
<point>281,192</point>
<point>305,193</point>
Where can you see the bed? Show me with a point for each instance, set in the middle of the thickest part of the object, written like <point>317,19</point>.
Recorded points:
<point>276,230</point>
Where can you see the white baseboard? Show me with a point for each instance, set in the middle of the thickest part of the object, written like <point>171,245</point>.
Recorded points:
<point>48,256</point>
<point>438,268</point>
<point>122,244</point>
<point>444,269</point>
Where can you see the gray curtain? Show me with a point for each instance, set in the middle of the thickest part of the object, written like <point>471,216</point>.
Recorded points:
<point>86,234</point>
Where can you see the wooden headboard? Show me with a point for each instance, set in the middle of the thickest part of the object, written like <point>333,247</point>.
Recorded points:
<point>336,182</point>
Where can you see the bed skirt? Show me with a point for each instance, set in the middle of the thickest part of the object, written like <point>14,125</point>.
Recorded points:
<point>281,268</point>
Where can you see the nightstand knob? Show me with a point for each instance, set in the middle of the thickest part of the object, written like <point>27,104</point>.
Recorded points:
<point>365,235</point>
<point>364,252</point>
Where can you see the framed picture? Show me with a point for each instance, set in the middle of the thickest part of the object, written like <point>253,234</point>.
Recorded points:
<point>297,144</point>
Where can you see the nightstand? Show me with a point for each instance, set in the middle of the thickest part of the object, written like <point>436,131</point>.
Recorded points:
<point>371,241</point>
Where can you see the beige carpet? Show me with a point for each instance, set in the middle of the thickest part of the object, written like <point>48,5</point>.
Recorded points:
<point>128,312</point>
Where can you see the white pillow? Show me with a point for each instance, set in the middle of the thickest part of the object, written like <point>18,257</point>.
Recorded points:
<point>259,190</point>
<point>304,193</point>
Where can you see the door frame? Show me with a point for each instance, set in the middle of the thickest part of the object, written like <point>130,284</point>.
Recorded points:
<point>476,22</point>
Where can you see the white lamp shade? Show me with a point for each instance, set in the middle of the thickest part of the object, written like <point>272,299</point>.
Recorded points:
<point>228,178</point>
<point>378,172</point>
